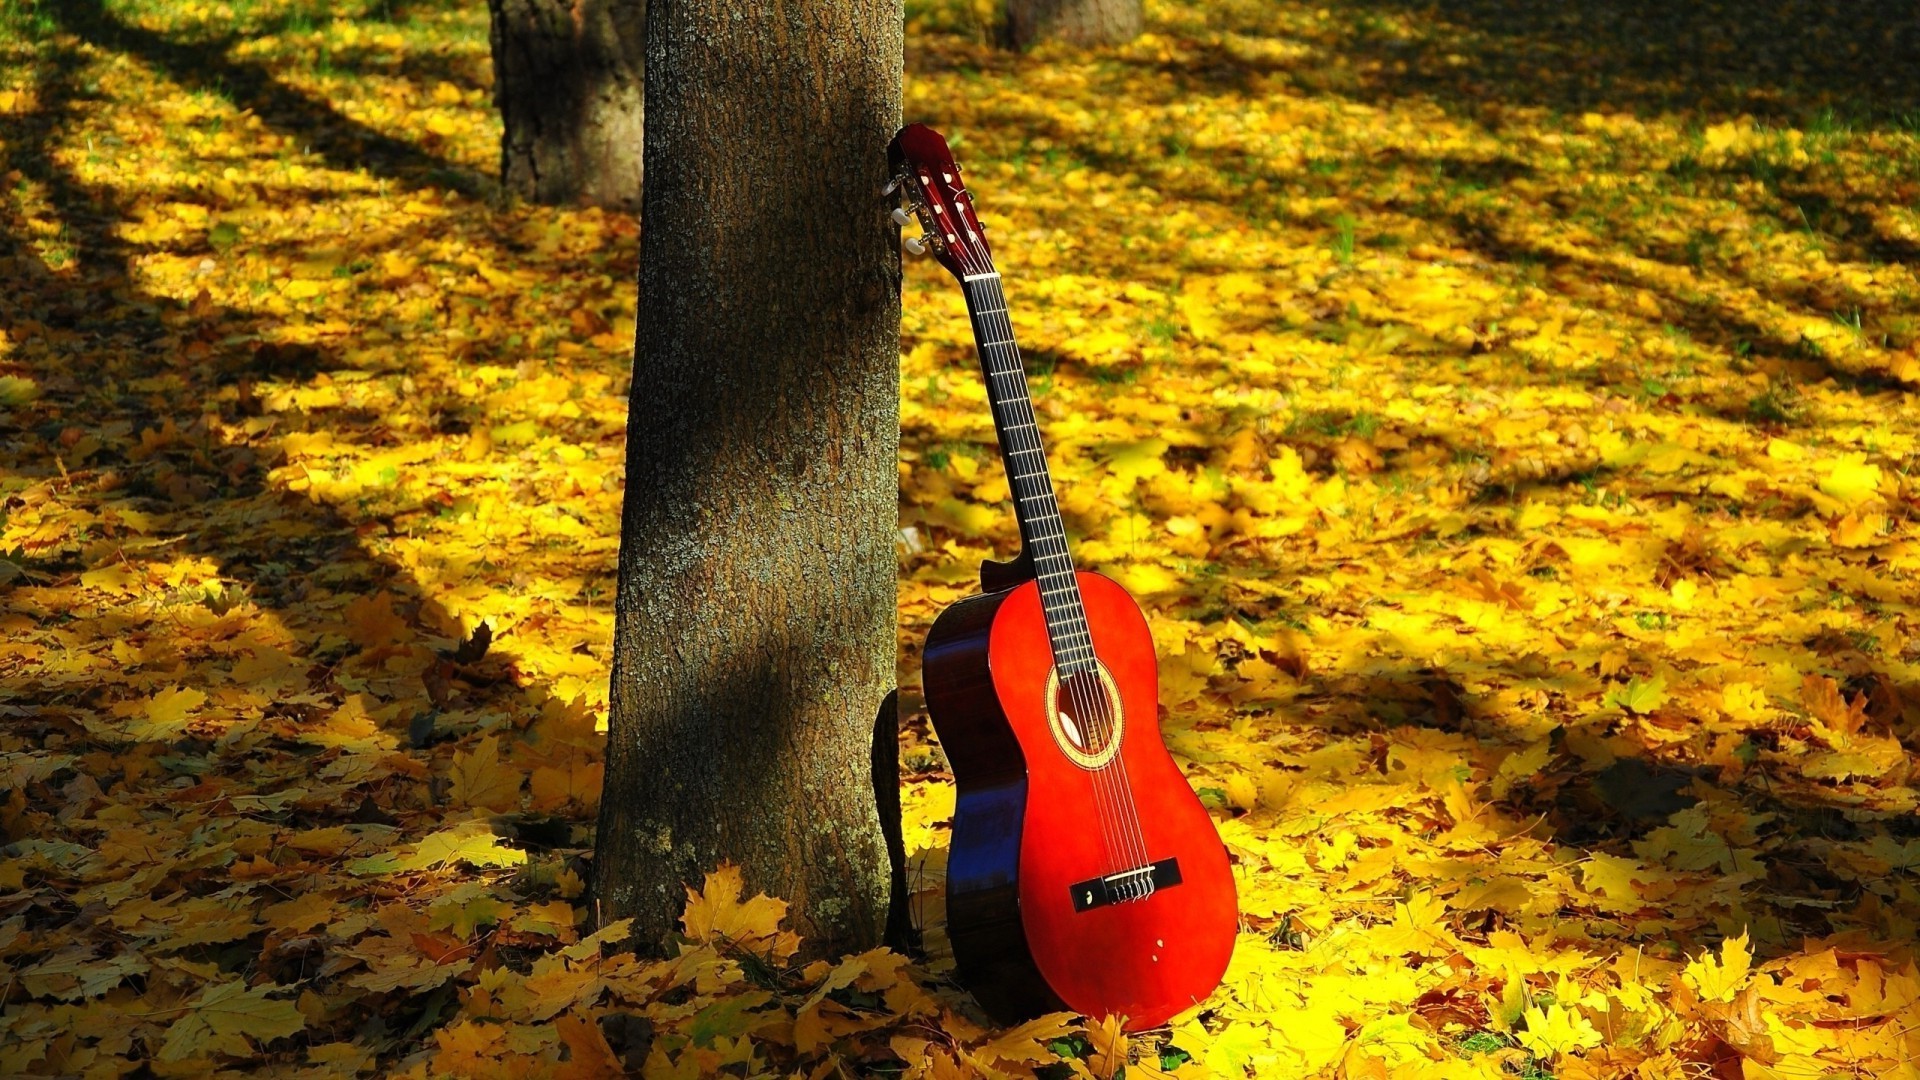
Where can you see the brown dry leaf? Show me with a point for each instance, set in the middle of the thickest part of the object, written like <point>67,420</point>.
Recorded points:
<point>590,1056</point>
<point>1826,704</point>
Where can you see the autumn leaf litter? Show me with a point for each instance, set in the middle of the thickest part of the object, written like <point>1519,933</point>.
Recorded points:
<point>1517,495</point>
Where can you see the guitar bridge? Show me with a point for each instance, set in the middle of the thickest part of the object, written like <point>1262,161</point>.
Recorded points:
<point>1135,884</point>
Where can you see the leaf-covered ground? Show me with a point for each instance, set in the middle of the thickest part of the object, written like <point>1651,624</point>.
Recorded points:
<point>1502,409</point>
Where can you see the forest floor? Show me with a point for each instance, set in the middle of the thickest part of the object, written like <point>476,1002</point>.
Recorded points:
<point>1502,410</point>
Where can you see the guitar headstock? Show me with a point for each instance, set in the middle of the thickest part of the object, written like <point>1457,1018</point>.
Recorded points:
<point>924,169</point>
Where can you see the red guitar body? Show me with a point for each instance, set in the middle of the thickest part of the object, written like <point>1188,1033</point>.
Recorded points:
<point>1028,840</point>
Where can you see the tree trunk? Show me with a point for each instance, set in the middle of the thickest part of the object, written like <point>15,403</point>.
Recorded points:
<point>1076,22</point>
<point>754,630</point>
<point>568,78</point>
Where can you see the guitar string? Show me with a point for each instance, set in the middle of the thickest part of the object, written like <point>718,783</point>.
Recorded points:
<point>1107,806</point>
<point>1094,722</point>
<point>1100,719</point>
<point>1111,829</point>
<point>1092,705</point>
<point>1108,809</point>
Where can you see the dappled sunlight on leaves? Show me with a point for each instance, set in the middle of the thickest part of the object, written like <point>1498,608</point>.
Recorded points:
<point>1508,443</point>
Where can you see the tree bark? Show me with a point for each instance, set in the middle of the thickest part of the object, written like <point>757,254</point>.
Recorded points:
<point>569,81</point>
<point>754,632</point>
<point>1076,22</point>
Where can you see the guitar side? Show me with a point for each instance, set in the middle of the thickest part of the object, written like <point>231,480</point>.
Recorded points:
<point>990,781</point>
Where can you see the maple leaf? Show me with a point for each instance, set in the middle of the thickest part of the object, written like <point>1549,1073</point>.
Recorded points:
<point>1850,479</point>
<point>371,621</point>
<point>1557,1029</point>
<point>166,715</point>
<point>225,1016</point>
<point>1640,696</point>
<point>482,780</point>
<point>590,1056</point>
<point>1825,703</point>
<point>472,842</point>
<point>1109,1057</point>
<point>809,1032</point>
<point>1202,320</point>
<point>16,390</point>
<point>577,781</point>
<point>75,973</point>
<point>1742,1023</point>
<point>464,910</point>
<point>1132,462</point>
<point>1720,979</point>
<point>475,645</point>
<point>1028,1043</point>
<point>717,914</point>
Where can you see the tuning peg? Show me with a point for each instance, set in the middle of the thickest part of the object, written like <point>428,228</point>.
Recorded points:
<point>893,185</point>
<point>914,245</point>
<point>901,217</point>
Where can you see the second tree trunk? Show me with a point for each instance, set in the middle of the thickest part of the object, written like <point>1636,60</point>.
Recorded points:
<point>568,77</point>
<point>1076,22</point>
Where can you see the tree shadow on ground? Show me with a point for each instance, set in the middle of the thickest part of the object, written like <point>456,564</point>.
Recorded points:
<point>1782,60</point>
<point>1604,788</point>
<point>1505,212</point>
<point>129,381</point>
<point>133,431</point>
<point>345,143</point>
<point>103,347</point>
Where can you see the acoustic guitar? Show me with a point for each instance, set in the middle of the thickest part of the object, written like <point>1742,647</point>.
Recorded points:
<point>1084,872</point>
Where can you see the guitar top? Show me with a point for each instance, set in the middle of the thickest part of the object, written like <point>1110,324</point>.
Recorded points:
<point>1084,872</point>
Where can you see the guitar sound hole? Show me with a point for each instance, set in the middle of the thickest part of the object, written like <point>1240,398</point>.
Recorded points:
<point>1086,713</point>
<point>1086,717</point>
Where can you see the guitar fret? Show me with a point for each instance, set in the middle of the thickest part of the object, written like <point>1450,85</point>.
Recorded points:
<point>1007,393</point>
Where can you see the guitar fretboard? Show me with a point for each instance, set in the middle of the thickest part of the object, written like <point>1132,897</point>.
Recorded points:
<point>1041,530</point>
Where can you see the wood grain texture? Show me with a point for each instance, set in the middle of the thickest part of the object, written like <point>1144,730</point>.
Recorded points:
<point>754,635</point>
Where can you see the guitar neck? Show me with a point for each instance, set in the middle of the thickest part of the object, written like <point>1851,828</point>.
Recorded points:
<point>1042,533</point>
